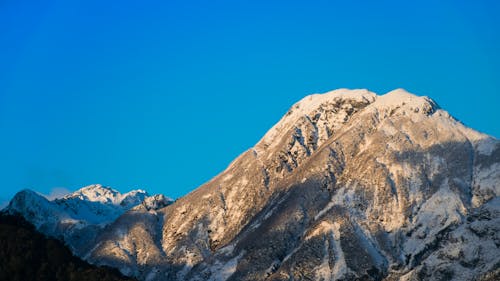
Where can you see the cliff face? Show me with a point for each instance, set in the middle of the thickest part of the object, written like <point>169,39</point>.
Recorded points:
<point>346,185</point>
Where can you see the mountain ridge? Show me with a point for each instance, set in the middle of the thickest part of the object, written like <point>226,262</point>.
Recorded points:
<point>78,217</point>
<point>347,185</point>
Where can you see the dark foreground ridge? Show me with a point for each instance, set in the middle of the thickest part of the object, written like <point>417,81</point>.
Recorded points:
<point>26,254</point>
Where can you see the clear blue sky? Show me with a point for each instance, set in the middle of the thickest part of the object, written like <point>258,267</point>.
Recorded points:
<point>162,95</point>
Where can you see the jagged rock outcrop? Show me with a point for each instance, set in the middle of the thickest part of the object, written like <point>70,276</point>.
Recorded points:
<point>348,185</point>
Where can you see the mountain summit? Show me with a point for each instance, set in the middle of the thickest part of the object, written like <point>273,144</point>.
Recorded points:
<point>348,185</point>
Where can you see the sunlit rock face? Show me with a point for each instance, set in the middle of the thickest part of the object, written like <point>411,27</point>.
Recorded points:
<point>348,185</point>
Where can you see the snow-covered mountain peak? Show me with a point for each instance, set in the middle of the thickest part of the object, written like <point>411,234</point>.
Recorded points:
<point>401,99</point>
<point>108,195</point>
<point>156,202</point>
<point>312,102</point>
<point>96,193</point>
<point>26,197</point>
<point>315,118</point>
<point>27,193</point>
<point>133,198</point>
<point>325,111</point>
<point>34,207</point>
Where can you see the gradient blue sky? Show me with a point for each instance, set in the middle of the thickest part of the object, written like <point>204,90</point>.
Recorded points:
<point>162,95</point>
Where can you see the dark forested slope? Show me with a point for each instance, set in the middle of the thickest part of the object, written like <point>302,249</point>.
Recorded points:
<point>26,254</point>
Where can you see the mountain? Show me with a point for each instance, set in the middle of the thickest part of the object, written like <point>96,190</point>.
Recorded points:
<point>79,217</point>
<point>26,254</point>
<point>348,185</point>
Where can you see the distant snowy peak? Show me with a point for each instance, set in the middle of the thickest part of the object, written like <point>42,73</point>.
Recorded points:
<point>29,200</point>
<point>96,193</point>
<point>34,207</point>
<point>91,205</point>
<point>107,195</point>
<point>26,197</point>
<point>156,202</point>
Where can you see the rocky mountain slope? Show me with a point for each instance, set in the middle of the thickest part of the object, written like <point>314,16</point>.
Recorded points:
<point>348,185</point>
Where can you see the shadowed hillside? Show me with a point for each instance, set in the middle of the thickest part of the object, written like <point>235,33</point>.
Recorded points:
<point>25,255</point>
